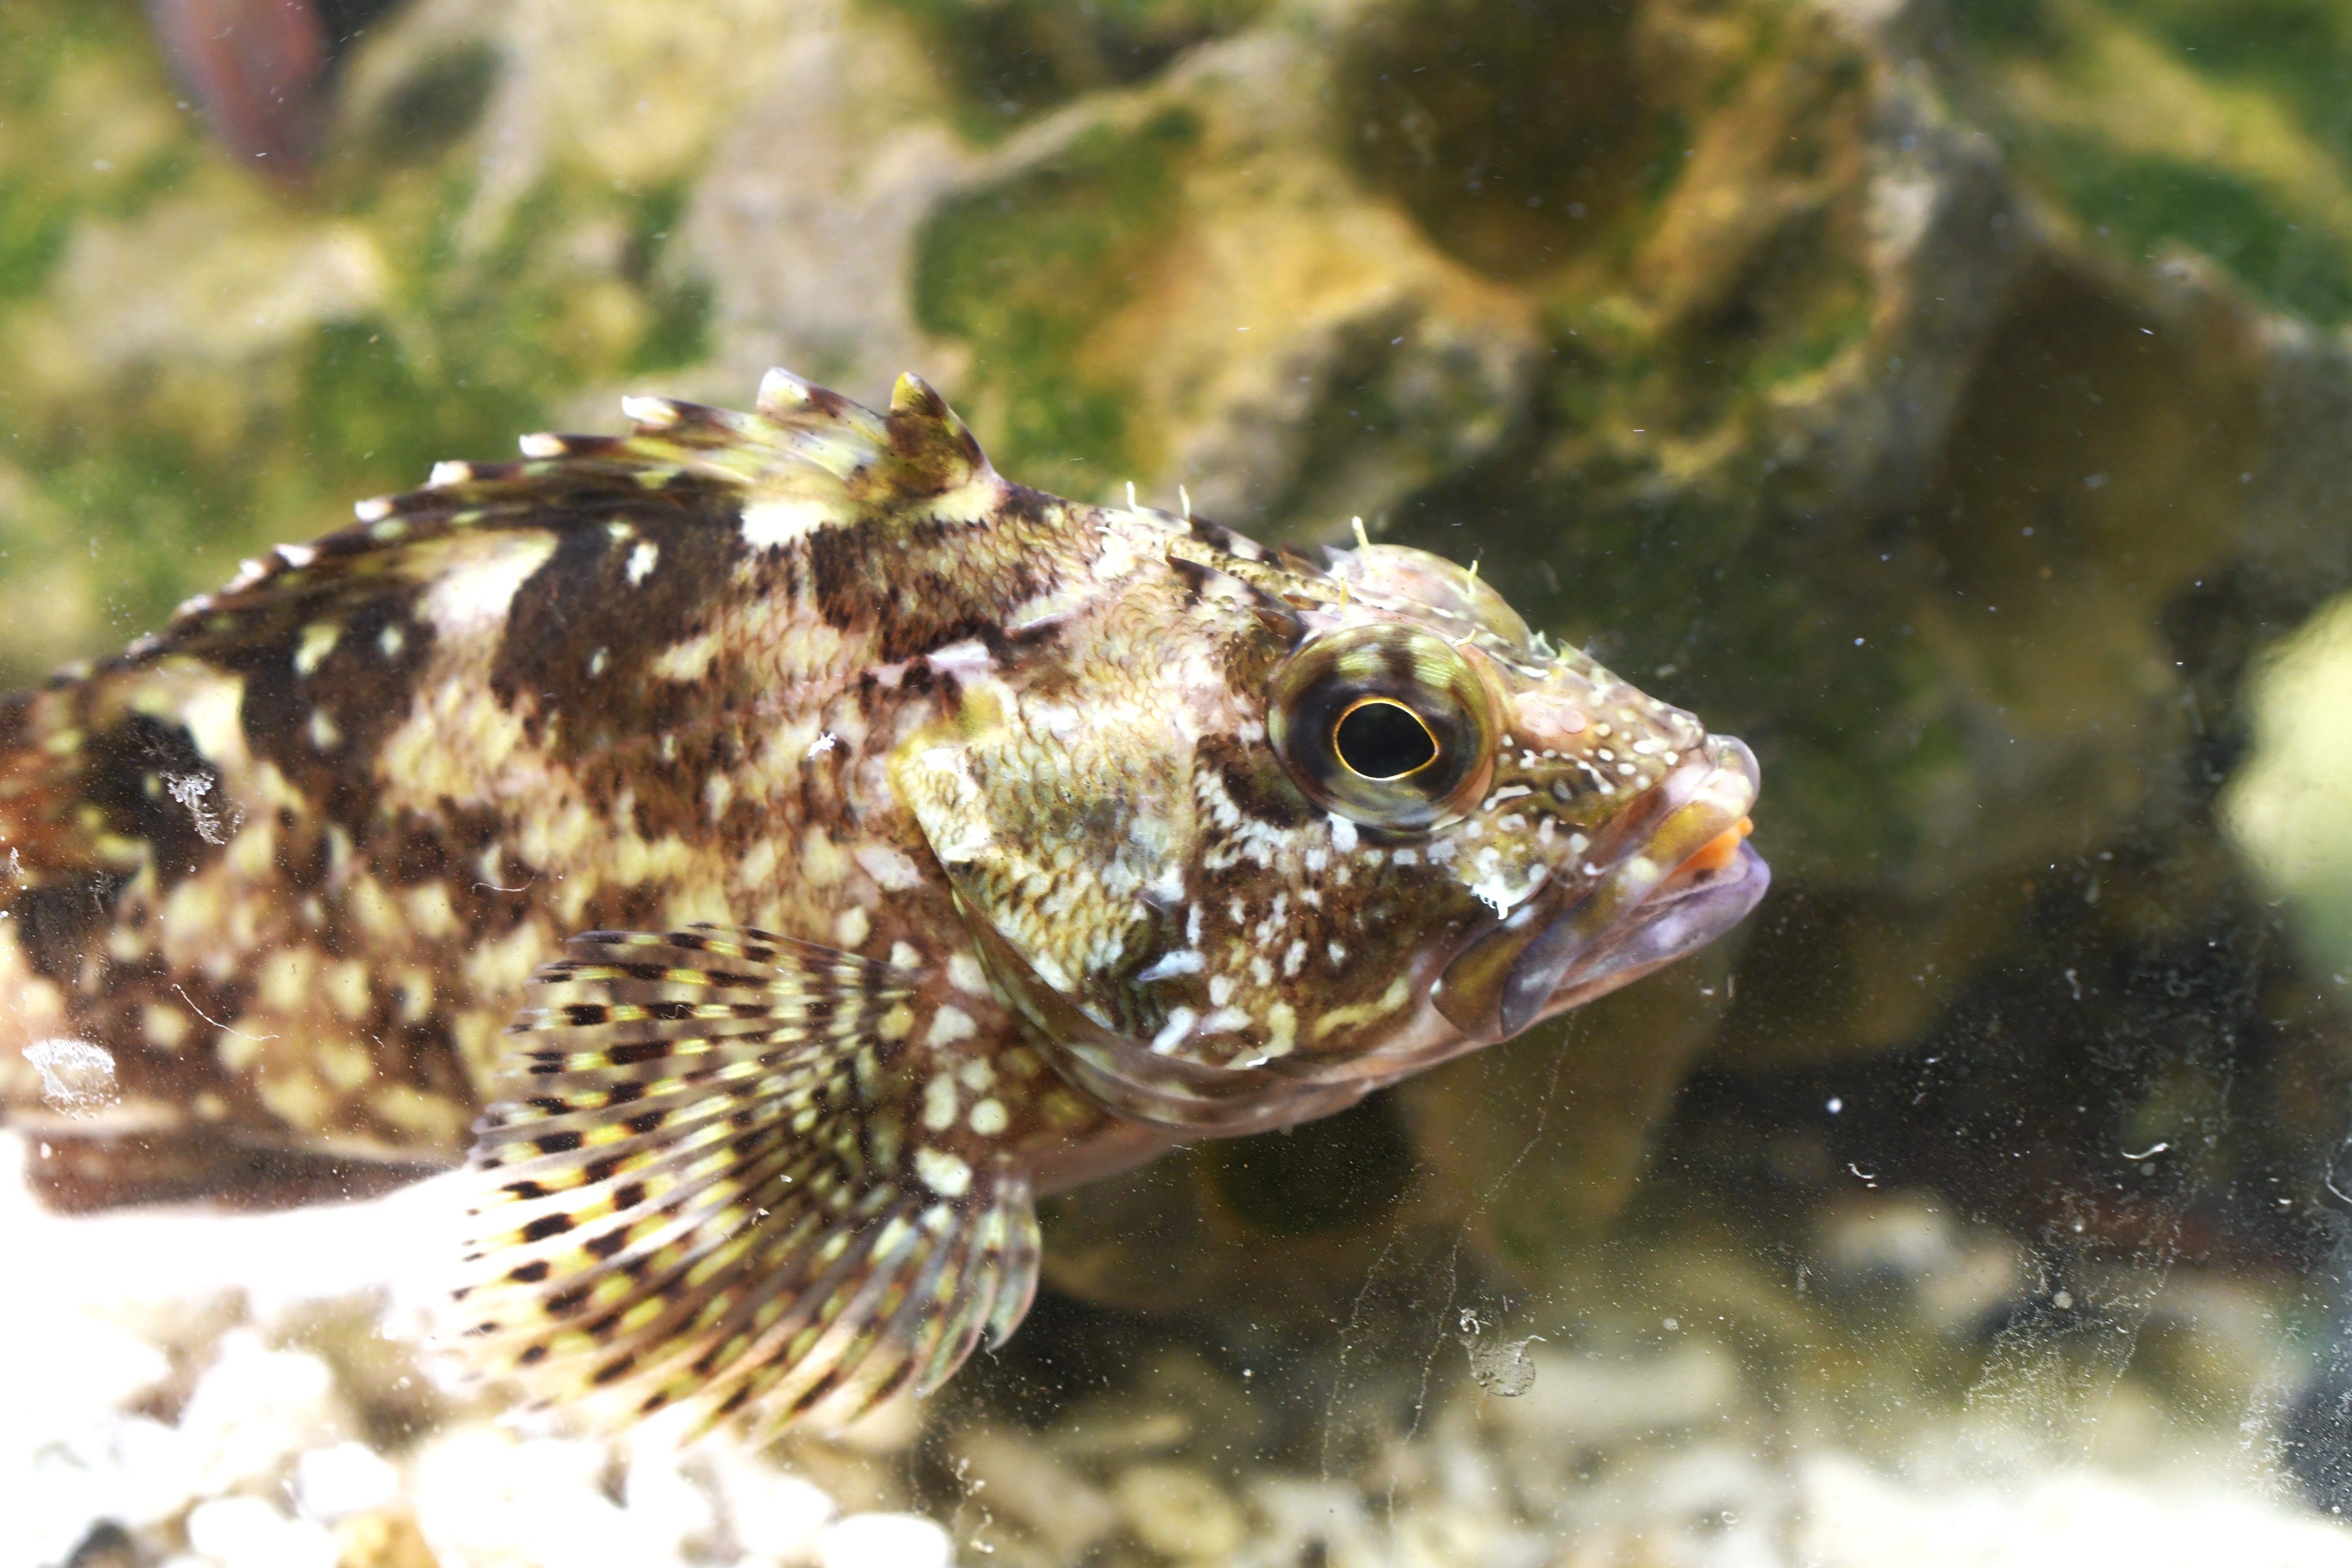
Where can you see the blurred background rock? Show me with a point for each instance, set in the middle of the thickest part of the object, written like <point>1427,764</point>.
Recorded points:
<point>1950,398</point>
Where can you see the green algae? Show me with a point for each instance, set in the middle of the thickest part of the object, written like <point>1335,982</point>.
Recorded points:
<point>156,474</point>
<point>1021,271</point>
<point>1009,63</point>
<point>2146,203</point>
<point>1518,136</point>
<point>2249,164</point>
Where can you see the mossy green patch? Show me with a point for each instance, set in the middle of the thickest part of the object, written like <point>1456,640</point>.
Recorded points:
<point>34,223</point>
<point>79,113</point>
<point>2146,202</point>
<point>470,349</point>
<point>1023,271</point>
<point>2298,51</point>
<point>434,106</point>
<point>2006,23</point>
<point>1012,61</point>
<point>2295,54</point>
<point>1516,134</point>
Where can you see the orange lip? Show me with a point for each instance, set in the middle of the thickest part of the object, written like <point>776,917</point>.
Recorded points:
<point>1717,852</point>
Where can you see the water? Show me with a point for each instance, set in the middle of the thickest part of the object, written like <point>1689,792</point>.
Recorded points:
<point>1946,400</point>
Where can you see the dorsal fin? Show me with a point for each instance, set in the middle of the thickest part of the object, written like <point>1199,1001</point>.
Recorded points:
<point>808,460</point>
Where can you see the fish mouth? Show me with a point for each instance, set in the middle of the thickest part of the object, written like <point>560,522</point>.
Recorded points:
<point>1674,876</point>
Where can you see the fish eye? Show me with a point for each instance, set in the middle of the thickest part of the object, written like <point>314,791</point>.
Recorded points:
<point>1385,723</point>
<point>1382,739</point>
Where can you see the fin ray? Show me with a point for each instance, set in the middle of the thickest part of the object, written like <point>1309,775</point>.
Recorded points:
<point>686,1200</point>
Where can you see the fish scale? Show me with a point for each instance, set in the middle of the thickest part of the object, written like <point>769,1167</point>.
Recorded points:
<point>771,849</point>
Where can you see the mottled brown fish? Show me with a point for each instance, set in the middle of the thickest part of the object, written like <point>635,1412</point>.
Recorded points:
<point>808,846</point>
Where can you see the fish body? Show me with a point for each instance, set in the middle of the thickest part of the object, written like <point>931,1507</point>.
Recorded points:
<point>779,847</point>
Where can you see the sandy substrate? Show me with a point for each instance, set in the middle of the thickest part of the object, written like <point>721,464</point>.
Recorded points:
<point>256,1392</point>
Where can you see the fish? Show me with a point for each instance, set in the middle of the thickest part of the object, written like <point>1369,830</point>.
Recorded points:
<point>258,70</point>
<point>768,851</point>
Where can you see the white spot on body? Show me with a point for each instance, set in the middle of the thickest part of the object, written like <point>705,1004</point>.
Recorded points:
<point>892,871</point>
<point>471,599</point>
<point>773,523</point>
<point>949,1025</point>
<point>1168,966</point>
<point>685,663</point>
<point>851,928</point>
<point>1281,1029</point>
<point>390,641</point>
<point>943,1173</point>
<point>966,975</point>
<point>1172,1033</point>
<point>324,735</point>
<point>939,1103</point>
<point>988,1117</point>
<point>1343,834</point>
<point>968,659</point>
<point>319,639</point>
<point>165,1026</point>
<point>642,562</point>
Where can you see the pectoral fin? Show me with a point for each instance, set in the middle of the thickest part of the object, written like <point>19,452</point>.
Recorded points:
<point>698,1188</point>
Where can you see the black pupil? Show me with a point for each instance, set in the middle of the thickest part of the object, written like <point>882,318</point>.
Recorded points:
<point>1383,740</point>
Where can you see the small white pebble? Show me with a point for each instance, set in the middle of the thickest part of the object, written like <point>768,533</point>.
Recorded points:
<point>775,1515</point>
<point>247,1532</point>
<point>348,1479</point>
<point>884,1540</point>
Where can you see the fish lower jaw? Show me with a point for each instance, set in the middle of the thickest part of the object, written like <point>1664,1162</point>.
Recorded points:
<point>1674,885</point>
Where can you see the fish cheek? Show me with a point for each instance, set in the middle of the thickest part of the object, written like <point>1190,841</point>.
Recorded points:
<point>1255,782</point>
<point>1061,870</point>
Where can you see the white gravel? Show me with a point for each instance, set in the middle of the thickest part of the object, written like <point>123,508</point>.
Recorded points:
<point>175,1378</point>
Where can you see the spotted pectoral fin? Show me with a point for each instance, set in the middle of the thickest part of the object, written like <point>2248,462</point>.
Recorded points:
<point>699,1187</point>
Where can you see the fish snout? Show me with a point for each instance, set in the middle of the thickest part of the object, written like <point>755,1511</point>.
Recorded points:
<point>1684,881</point>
